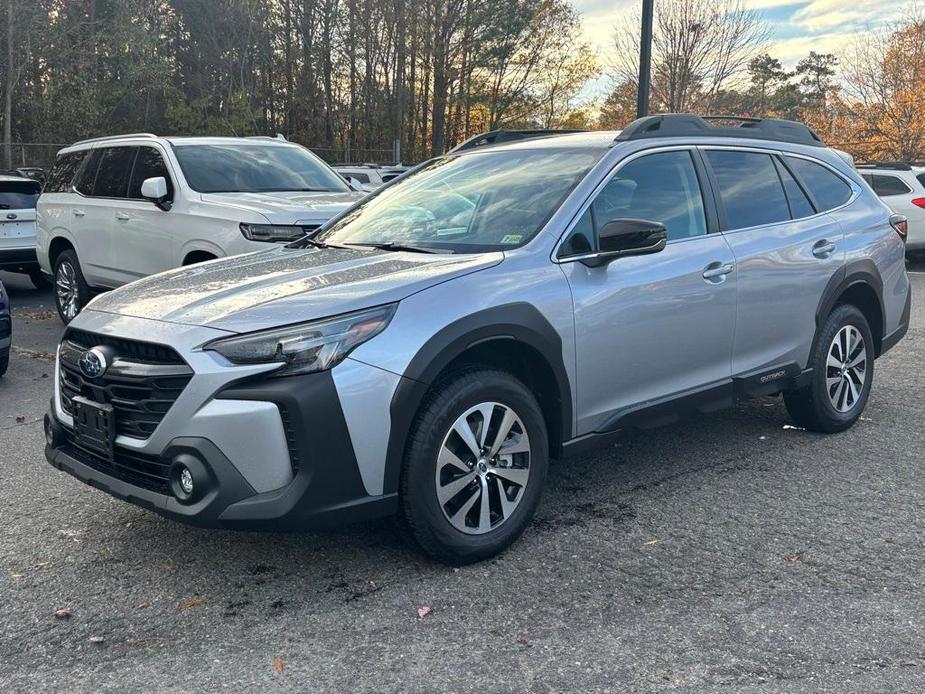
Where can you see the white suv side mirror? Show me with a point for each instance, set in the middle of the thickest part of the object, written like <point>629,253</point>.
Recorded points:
<point>154,188</point>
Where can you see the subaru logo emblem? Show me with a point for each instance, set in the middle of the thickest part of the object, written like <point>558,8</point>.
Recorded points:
<point>11,215</point>
<point>93,363</point>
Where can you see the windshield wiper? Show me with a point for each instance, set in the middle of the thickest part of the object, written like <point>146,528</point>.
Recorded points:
<point>391,246</point>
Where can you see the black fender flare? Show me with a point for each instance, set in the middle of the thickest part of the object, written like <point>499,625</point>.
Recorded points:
<point>861,271</point>
<point>521,322</point>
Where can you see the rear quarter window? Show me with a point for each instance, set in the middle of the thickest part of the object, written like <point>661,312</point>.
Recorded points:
<point>828,188</point>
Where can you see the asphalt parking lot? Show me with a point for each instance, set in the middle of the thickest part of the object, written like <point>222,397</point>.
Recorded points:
<point>728,553</point>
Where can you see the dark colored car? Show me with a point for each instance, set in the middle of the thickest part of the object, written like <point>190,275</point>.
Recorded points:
<point>6,330</point>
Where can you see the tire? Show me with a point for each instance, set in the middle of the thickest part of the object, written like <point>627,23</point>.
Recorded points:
<point>462,400</point>
<point>71,290</point>
<point>39,280</point>
<point>4,361</point>
<point>836,397</point>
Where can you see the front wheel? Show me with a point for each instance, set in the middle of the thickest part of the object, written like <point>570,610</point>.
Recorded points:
<point>475,466</point>
<point>39,280</point>
<point>71,290</point>
<point>843,371</point>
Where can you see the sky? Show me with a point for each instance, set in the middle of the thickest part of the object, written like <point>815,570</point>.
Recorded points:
<point>824,26</point>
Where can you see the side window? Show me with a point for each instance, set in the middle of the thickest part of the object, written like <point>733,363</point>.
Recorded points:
<point>889,185</point>
<point>826,187</point>
<point>148,164</point>
<point>115,168</point>
<point>800,206</point>
<point>87,175</point>
<point>66,166</point>
<point>749,187</point>
<point>661,187</point>
<point>921,178</point>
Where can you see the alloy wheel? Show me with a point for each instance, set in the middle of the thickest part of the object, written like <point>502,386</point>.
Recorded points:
<point>483,468</point>
<point>66,290</point>
<point>846,368</point>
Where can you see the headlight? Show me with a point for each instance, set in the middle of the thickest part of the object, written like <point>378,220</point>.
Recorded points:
<point>278,233</point>
<point>307,347</point>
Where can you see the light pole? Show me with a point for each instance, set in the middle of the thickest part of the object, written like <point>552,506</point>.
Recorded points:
<point>645,59</point>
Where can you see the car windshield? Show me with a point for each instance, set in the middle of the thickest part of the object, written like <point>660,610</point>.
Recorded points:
<point>19,195</point>
<point>479,202</point>
<point>255,168</point>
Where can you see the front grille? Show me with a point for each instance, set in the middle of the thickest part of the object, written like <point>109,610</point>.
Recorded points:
<point>145,471</point>
<point>142,383</point>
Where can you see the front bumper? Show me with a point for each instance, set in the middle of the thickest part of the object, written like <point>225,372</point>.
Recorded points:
<point>271,453</point>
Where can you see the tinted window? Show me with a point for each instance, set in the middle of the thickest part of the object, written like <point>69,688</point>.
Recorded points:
<point>921,178</point>
<point>19,195</point>
<point>148,164</point>
<point>66,166</point>
<point>115,168</point>
<point>87,175</point>
<point>828,189</point>
<point>800,206</point>
<point>361,177</point>
<point>659,187</point>
<point>254,168</point>
<point>749,188</point>
<point>888,185</point>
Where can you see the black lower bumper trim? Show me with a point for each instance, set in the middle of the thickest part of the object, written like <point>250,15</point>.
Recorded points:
<point>19,260</point>
<point>891,340</point>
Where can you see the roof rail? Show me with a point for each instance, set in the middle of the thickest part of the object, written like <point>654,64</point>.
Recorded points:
<point>892,165</point>
<point>113,137</point>
<point>691,125</point>
<point>495,137</point>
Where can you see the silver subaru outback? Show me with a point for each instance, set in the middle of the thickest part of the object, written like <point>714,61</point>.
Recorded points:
<point>528,296</point>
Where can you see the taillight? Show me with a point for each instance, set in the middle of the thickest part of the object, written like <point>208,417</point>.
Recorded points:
<point>919,202</point>
<point>900,224</point>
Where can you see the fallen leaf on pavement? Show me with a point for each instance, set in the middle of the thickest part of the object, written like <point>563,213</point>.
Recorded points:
<point>192,602</point>
<point>792,558</point>
<point>649,542</point>
<point>63,613</point>
<point>524,640</point>
<point>142,605</point>
<point>790,426</point>
<point>96,639</point>
<point>423,611</point>
<point>278,664</point>
<point>20,419</point>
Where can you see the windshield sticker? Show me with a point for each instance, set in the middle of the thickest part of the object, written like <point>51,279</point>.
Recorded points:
<point>512,238</point>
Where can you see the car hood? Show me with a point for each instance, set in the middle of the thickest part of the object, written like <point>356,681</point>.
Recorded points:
<point>282,286</point>
<point>287,208</point>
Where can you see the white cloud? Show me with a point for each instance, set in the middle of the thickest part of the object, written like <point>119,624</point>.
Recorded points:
<point>824,15</point>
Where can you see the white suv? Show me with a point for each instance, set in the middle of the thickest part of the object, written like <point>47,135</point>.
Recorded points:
<point>120,208</point>
<point>902,187</point>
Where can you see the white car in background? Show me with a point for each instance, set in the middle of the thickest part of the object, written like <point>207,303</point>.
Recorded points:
<point>901,186</point>
<point>18,197</point>
<point>116,209</point>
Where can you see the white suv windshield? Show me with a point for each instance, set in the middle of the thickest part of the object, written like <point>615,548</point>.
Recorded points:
<point>477,202</point>
<point>255,168</point>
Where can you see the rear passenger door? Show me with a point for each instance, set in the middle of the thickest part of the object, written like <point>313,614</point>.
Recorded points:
<point>651,328</point>
<point>773,214</point>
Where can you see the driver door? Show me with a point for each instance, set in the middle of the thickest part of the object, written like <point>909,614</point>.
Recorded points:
<point>651,328</point>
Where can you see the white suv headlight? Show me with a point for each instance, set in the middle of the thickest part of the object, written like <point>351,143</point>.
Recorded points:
<point>306,347</point>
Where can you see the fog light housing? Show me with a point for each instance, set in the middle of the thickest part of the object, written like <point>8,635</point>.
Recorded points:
<point>186,480</point>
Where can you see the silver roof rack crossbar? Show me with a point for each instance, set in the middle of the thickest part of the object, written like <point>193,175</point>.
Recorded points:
<point>113,137</point>
<point>495,137</point>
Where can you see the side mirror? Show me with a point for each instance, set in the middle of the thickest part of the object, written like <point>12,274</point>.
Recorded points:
<point>623,237</point>
<point>155,189</point>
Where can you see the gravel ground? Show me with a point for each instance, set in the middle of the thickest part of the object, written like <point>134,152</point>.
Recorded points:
<point>727,553</point>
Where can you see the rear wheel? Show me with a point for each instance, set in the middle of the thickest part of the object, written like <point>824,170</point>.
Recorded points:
<point>475,466</point>
<point>843,371</point>
<point>71,290</point>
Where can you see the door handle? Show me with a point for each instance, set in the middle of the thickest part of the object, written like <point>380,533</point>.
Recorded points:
<point>823,248</point>
<point>717,271</point>
<point>79,213</point>
<point>122,216</point>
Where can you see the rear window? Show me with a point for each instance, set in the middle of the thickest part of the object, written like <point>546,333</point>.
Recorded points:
<point>16,195</point>
<point>888,185</point>
<point>829,189</point>
<point>65,168</point>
